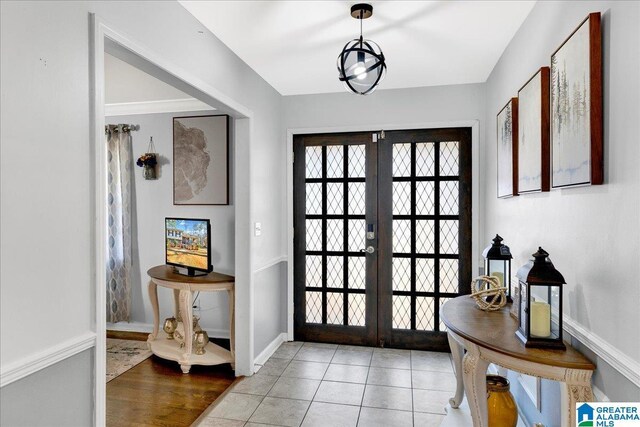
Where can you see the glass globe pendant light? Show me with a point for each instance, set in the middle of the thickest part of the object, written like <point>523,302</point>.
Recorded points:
<point>361,64</point>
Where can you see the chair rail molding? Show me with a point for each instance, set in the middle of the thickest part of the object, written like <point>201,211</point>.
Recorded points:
<point>270,263</point>
<point>15,371</point>
<point>614,357</point>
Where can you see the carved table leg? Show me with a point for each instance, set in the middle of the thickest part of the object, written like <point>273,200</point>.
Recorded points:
<point>153,297</point>
<point>475,385</point>
<point>457,351</point>
<point>186,309</point>
<point>575,388</point>
<point>232,326</point>
<point>176,304</point>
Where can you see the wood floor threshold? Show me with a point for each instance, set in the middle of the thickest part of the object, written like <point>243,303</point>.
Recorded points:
<point>143,336</point>
<point>157,393</point>
<point>127,335</point>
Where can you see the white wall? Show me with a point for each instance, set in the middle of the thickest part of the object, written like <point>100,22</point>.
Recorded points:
<point>152,202</point>
<point>45,170</point>
<point>126,83</point>
<point>591,233</point>
<point>46,174</point>
<point>270,296</point>
<point>395,106</point>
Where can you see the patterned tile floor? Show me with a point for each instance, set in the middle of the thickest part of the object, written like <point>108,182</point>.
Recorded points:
<point>311,384</point>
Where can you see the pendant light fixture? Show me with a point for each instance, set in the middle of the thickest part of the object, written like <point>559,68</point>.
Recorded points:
<point>361,64</point>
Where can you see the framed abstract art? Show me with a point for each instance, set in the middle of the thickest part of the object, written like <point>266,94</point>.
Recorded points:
<point>507,131</point>
<point>201,160</point>
<point>533,134</point>
<point>576,107</point>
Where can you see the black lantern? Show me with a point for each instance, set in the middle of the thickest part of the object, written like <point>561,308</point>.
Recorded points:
<point>540,303</point>
<point>361,64</point>
<point>497,262</point>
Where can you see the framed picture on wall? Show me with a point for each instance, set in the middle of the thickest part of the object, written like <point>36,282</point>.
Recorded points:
<point>508,149</point>
<point>576,107</point>
<point>201,160</point>
<point>533,134</point>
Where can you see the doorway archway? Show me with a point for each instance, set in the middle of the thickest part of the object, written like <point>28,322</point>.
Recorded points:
<point>106,38</point>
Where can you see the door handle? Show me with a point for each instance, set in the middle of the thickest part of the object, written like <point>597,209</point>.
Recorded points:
<point>368,250</point>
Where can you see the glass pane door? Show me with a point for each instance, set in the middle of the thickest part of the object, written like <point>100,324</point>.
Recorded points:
<point>382,235</point>
<point>334,202</point>
<point>425,259</point>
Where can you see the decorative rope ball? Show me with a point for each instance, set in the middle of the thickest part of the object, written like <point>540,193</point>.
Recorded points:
<point>489,298</point>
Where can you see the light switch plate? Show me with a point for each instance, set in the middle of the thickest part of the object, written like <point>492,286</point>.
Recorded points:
<point>257,230</point>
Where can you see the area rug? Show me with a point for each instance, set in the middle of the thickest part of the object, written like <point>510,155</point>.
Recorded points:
<point>123,355</point>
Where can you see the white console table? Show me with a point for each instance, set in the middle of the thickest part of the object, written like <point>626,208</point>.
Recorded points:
<point>183,288</point>
<point>489,337</point>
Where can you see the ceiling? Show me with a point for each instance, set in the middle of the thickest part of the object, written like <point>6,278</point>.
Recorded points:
<point>294,45</point>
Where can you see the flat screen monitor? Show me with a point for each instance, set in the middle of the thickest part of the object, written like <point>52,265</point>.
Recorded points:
<point>188,245</point>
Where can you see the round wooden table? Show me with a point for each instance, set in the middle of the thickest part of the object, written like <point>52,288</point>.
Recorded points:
<point>489,337</point>
<point>183,288</point>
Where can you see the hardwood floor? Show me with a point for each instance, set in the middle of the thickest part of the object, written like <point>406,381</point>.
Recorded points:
<point>157,393</point>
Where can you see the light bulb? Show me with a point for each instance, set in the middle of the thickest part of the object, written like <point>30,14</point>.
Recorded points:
<point>361,76</point>
<point>360,69</point>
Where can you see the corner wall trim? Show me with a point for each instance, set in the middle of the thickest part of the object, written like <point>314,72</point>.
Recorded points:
<point>17,370</point>
<point>614,357</point>
<point>271,348</point>
<point>152,107</point>
<point>271,263</point>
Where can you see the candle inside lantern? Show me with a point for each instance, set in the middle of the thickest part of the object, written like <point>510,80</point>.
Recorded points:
<point>540,319</point>
<point>500,277</point>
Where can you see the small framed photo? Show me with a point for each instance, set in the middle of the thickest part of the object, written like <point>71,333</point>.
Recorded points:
<point>201,160</point>
<point>507,131</point>
<point>576,107</point>
<point>533,134</point>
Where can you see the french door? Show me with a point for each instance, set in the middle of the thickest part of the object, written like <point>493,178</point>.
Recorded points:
<point>382,235</point>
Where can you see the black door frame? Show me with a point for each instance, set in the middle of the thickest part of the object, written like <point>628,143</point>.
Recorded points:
<point>343,334</point>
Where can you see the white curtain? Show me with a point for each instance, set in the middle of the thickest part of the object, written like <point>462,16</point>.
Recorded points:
<point>119,224</point>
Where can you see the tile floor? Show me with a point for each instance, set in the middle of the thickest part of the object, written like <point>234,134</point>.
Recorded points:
<point>311,384</point>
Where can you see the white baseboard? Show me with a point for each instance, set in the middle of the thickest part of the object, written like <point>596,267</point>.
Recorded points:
<point>599,395</point>
<point>147,328</point>
<point>614,357</point>
<point>271,348</point>
<point>15,371</point>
